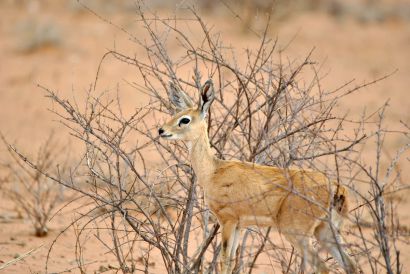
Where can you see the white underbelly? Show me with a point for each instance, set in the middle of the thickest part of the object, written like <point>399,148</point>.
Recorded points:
<point>245,221</point>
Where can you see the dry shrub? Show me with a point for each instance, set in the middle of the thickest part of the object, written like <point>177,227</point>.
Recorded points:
<point>36,196</point>
<point>34,34</point>
<point>268,110</point>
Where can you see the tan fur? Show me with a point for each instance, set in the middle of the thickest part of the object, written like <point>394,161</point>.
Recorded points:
<point>241,194</point>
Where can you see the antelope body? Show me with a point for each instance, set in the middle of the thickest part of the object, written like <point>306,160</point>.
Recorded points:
<point>300,204</point>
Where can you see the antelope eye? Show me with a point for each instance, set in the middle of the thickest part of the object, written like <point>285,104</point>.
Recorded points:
<point>184,121</point>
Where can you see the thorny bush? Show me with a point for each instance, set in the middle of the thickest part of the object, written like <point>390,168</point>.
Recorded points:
<point>267,110</point>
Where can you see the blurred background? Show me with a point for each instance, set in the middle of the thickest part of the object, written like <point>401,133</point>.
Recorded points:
<point>59,45</point>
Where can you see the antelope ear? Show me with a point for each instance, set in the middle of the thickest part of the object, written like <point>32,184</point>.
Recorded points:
<point>206,98</point>
<point>180,100</point>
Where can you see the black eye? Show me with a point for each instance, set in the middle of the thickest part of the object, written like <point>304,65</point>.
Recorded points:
<point>184,121</point>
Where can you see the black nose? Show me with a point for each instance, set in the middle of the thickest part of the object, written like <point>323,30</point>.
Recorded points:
<point>160,131</point>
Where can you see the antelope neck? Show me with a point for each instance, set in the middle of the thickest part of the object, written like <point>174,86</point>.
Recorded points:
<point>202,157</point>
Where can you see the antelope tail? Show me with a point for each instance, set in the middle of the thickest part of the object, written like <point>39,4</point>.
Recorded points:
<point>340,200</point>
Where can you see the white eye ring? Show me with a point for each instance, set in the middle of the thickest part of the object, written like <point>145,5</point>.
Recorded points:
<point>184,120</point>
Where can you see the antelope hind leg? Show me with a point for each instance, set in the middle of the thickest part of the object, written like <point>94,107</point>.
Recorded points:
<point>332,242</point>
<point>304,248</point>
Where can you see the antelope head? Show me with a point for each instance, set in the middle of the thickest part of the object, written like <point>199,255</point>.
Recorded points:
<point>189,121</point>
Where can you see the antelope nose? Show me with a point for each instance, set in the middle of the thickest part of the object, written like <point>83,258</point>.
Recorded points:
<point>160,131</point>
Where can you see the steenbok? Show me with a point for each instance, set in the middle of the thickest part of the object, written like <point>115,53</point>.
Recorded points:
<point>301,204</point>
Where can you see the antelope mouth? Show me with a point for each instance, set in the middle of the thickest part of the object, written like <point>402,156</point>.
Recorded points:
<point>166,136</point>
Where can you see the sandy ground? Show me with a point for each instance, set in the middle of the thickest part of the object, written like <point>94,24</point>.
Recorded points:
<point>347,49</point>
